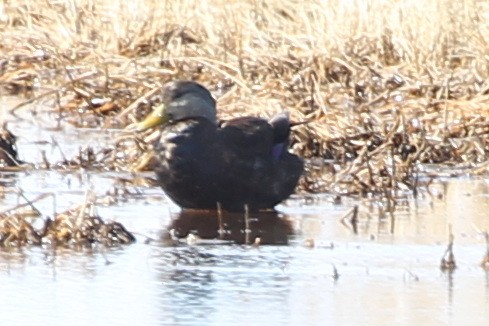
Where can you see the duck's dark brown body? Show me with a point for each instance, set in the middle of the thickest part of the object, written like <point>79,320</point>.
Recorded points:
<point>235,165</point>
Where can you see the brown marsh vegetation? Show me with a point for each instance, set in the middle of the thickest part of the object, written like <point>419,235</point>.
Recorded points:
<point>383,88</point>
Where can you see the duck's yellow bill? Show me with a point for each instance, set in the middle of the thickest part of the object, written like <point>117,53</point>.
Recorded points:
<point>155,118</point>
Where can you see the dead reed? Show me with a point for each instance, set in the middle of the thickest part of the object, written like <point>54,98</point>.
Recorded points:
<point>77,227</point>
<point>386,88</point>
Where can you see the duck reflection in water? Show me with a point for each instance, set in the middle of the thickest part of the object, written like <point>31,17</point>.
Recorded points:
<point>265,227</point>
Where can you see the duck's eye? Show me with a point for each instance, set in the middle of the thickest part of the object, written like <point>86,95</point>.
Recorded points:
<point>177,95</point>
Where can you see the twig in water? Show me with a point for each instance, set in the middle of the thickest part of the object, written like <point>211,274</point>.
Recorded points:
<point>56,145</point>
<point>354,219</point>
<point>448,259</point>
<point>147,240</point>
<point>485,260</point>
<point>352,215</point>
<point>247,224</point>
<point>335,276</point>
<point>219,218</point>
<point>28,202</point>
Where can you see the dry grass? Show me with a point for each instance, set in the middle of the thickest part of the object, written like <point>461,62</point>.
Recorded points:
<point>77,227</point>
<point>385,85</point>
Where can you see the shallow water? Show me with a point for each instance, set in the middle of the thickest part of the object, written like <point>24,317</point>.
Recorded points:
<point>384,278</point>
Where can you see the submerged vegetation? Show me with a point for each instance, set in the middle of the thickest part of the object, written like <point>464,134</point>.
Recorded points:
<point>379,89</point>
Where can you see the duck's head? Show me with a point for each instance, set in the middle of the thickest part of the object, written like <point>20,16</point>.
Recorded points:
<point>182,100</point>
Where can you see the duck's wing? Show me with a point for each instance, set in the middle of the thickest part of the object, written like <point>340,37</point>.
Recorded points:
<point>281,131</point>
<point>281,127</point>
<point>256,131</point>
<point>244,147</point>
<point>253,173</point>
<point>247,136</point>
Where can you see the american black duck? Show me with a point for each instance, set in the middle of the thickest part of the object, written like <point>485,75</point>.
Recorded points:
<point>243,161</point>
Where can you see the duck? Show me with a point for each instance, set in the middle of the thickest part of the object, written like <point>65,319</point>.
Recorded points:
<point>238,165</point>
